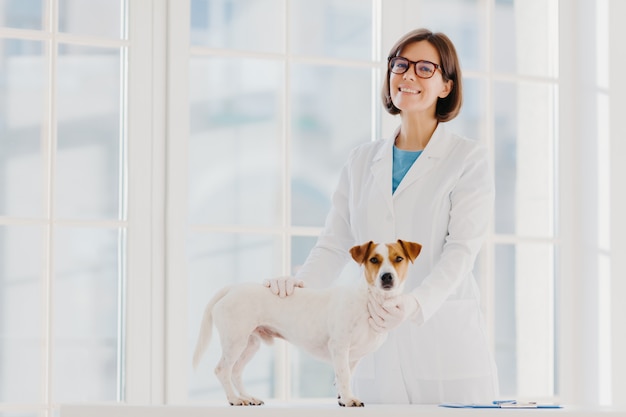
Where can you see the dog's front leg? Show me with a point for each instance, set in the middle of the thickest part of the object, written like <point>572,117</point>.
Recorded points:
<point>343,376</point>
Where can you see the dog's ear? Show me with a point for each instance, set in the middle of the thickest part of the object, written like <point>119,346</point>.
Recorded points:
<point>359,253</point>
<point>411,249</point>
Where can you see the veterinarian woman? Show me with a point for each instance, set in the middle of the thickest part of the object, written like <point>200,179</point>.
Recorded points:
<point>428,185</point>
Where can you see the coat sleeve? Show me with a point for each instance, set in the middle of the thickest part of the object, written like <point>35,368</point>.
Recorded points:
<point>471,207</point>
<point>331,252</point>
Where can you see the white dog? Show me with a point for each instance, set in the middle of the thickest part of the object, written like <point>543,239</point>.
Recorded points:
<point>331,323</point>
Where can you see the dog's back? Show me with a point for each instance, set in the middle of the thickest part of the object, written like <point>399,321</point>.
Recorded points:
<point>305,318</point>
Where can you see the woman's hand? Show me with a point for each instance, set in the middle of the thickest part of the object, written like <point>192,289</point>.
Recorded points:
<point>283,286</point>
<point>388,314</point>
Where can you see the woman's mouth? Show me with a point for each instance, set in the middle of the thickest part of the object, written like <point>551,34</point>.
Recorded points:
<point>408,90</point>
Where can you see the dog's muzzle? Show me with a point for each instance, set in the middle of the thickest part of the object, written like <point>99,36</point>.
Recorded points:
<point>386,280</point>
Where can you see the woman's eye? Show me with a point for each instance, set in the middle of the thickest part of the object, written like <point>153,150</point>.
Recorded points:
<point>425,69</point>
<point>400,66</point>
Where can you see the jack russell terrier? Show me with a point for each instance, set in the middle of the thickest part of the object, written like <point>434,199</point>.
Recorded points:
<point>331,323</point>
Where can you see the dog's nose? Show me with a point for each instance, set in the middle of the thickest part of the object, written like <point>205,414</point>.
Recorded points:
<point>386,279</point>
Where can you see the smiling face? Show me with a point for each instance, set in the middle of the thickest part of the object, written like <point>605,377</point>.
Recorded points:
<point>412,94</point>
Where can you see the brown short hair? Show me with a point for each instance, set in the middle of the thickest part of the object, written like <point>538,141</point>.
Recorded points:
<point>447,108</point>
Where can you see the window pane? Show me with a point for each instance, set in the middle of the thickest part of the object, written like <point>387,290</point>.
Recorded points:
<point>89,163</point>
<point>21,302</point>
<point>300,248</point>
<point>331,114</point>
<point>87,301</point>
<point>526,37</point>
<point>524,319</point>
<point>235,141</point>
<point>311,377</point>
<point>22,14</point>
<point>525,158</point>
<point>471,122</point>
<point>23,84</point>
<point>335,28</point>
<point>91,17</point>
<point>465,23</point>
<point>217,260</point>
<point>253,25</point>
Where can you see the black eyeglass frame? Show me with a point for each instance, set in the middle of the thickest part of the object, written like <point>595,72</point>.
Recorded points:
<point>414,63</point>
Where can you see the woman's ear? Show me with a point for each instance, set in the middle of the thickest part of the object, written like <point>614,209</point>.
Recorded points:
<point>447,88</point>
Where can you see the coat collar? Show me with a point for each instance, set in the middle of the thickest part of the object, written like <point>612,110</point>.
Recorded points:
<point>437,145</point>
<point>382,163</point>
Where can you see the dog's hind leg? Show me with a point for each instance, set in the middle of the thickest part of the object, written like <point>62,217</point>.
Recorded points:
<point>232,349</point>
<point>254,343</point>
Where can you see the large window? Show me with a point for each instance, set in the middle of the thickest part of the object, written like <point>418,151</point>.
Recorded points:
<point>152,152</point>
<point>63,222</point>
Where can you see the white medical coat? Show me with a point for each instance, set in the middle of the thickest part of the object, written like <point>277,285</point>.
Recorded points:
<point>444,202</point>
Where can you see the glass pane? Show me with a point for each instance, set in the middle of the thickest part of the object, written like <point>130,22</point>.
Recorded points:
<point>335,28</point>
<point>526,37</point>
<point>89,165</point>
<point>310,377</point>
<point>524,319</point>
<point>331,114</point>
<point>300,248</point>
<point>524,158</point>
<point>465,23</point>
<point>87,301</point>
<point>92,17</point>
<point>21,297</point>
<point>471,122</point>
<point>253,25</point>
<point>22,14</point>
<point>217,260</point>
<point>23,84</point>
<point>235,165</point>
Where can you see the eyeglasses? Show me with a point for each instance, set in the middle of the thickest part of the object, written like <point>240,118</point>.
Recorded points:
<point>423,69</point>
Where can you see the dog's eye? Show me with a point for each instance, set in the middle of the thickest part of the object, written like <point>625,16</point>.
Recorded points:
<point>374,260</point>
<point>399,259</point>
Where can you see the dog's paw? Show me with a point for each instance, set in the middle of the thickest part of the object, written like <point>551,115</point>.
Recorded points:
<point>351,402</point>
<point>255,401</point>
<point>244,401</point>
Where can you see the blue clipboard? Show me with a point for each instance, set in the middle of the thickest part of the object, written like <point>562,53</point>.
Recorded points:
<point>503,404</point>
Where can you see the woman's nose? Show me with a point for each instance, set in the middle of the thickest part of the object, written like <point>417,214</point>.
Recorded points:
<point>409,74</point>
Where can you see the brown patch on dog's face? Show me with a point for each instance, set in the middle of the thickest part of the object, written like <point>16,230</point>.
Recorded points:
<point>360,252</point>
<point>365,255</point>
<point>411,249</point>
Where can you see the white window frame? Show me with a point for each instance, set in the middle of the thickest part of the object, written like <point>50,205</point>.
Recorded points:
<point>143,356</point>
<point>617,83</point>
<point>147,114</point>
<point>582,357</point>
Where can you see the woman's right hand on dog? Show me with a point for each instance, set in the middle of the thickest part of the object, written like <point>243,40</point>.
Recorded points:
<point>283,286</point>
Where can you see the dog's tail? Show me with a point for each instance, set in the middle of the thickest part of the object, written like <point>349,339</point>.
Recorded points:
<point>206,327</point>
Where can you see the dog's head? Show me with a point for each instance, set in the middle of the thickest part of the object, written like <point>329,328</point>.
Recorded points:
<point>386,264</point>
